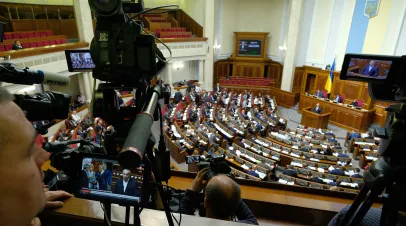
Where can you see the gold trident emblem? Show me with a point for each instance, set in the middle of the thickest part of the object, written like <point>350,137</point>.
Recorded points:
<point>371,7</point>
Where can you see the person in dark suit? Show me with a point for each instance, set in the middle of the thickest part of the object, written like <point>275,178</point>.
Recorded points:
<point>371,69</point>
<point>290,172</point>
<point>316,180</point>
<point>319,94</point>
<point>84,180</point>
<point>328,151</point>
<point>126,185</point>
<point>103,177</point>
<point>334,183</point>
<point>317,109</point>
<point>337,171</point>
<point>217,88</point>
<point>211,99</point>
<point>17,45</point>
<point>369,136</point>
<point>251,171</point>
<point>341,155</point>
<point>355,103</point>
<point>357,175</point>
<point>338,99</point>
<point>354,134</point>
<point>178,97</point>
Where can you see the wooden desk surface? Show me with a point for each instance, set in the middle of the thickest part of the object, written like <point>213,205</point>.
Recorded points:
<point>92,209</point>
<point>341,115</point>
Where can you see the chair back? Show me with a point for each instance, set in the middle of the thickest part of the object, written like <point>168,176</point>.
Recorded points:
<point>360,103</point>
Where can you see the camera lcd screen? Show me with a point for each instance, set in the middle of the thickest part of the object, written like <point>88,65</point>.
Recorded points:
<point>368,68</point>
<point>102,179</point>
<point>79,60</point>
<point>192,159</point>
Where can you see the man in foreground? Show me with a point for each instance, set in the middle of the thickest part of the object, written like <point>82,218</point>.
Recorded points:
<point>23,196</point>
<point>126,185</point>
<point>222,199</point>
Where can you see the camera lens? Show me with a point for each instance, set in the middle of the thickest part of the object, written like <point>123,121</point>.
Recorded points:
<point>105,7</point>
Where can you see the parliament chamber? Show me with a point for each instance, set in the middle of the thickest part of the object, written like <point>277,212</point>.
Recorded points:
<point>250,84</point>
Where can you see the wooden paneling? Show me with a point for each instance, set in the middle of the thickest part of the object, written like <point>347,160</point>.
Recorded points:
<point>321,80</point>
<point>58,27</point>
<point>351,90</point>
<point>275,70</point>
<point>336,89</point>
<point>242,69</point>
<point>298,80</point>
<point>43,50</point>
<point>341,115</point>
<point>184,20</point>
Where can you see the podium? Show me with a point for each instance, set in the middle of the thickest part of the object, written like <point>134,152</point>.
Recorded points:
<point>311,119</point>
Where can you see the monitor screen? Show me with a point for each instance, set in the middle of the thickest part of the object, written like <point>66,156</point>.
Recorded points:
<point>368,68</point>
<point>102,179</point>
<point>79,60</point>
<point>249,47</point>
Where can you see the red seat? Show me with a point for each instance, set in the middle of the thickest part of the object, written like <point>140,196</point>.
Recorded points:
<point>248,83</point>
<point>52,42</point>
<point>30,35</point>
<point>37,34</point>
<point>23,35</point>
<point>8,36</point>
<point>58,41</point>
<point>43,34</point>
<point>39,44</point>
<point>63,41</point>
<point>342,97</point>
<point>158,32</point>
<point>324,93</point>
<point>241,82</point>
<point>16,36</point>
<point>8,47</point>
<point>33,44</point>
<point>25,45</point>
<point>2,49</point>
<point>46,43</point>
<point>49,33</point>
<point>360,103</point>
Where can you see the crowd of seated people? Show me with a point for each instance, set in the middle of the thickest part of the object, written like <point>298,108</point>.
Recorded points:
<point>232,120</point>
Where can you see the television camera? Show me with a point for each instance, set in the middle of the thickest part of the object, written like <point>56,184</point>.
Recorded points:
<point>215,164</point>
<point>386,176</point>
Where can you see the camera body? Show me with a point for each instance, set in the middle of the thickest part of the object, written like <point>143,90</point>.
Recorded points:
<point>121,53</point>
<point>215,164</point>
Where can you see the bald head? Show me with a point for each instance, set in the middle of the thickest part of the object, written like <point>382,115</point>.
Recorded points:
<point>222,197</point>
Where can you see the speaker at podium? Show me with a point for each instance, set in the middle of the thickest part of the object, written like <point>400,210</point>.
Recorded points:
<point>315,120</point>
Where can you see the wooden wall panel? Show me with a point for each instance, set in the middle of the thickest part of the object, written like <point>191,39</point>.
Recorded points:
<point>351,90</point>
<point>336,89</point>
<point>321,81</point>
<point>298,80</point>
<point>275,73</point>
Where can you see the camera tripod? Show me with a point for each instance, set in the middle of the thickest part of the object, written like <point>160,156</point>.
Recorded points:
<point>387,174</point>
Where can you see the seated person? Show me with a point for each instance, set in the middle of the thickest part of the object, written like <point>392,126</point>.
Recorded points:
<point>222,199</point>
<point>319,94</point>
<point>354,134</point>
<point>334,183</point>
<point>337,171</point>
<point>17,45</point>
<point>355,104</point>
<point>317,109</point>
<point>340,155</point>
<point>357,174</point>
<point>316,180</point>
<point>338,99</point>
<point>328,151</point>
<point>369,136</point>
<point>251,171</point>
<point>290,172</point>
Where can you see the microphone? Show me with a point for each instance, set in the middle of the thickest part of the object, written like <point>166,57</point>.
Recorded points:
<point>12,74</point>
<point>134,146</point>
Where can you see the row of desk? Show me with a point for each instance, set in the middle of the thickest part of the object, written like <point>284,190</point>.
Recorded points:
<point>341,115</point>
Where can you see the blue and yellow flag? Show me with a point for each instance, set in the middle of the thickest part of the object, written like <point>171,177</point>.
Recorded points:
<point>329,82</point>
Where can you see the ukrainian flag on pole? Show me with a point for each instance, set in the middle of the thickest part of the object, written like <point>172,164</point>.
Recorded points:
<point>329,82</point>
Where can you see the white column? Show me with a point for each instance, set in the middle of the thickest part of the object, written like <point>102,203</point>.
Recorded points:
<point>83,20</point>
<point>344,32</point>
<point>209,33</point>
<point>86,86</point>
<point>201,73</point>
<point>81,85</point>
<point>296,8</point>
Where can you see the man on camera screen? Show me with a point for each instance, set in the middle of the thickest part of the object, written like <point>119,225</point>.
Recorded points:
<point>222,199</point>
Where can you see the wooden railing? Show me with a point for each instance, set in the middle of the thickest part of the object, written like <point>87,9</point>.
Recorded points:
<point>185,20</point>
<point>42,50</point>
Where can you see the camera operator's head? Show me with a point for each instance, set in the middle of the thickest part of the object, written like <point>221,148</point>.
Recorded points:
<point>20,165</point>
<point>222,197</point>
